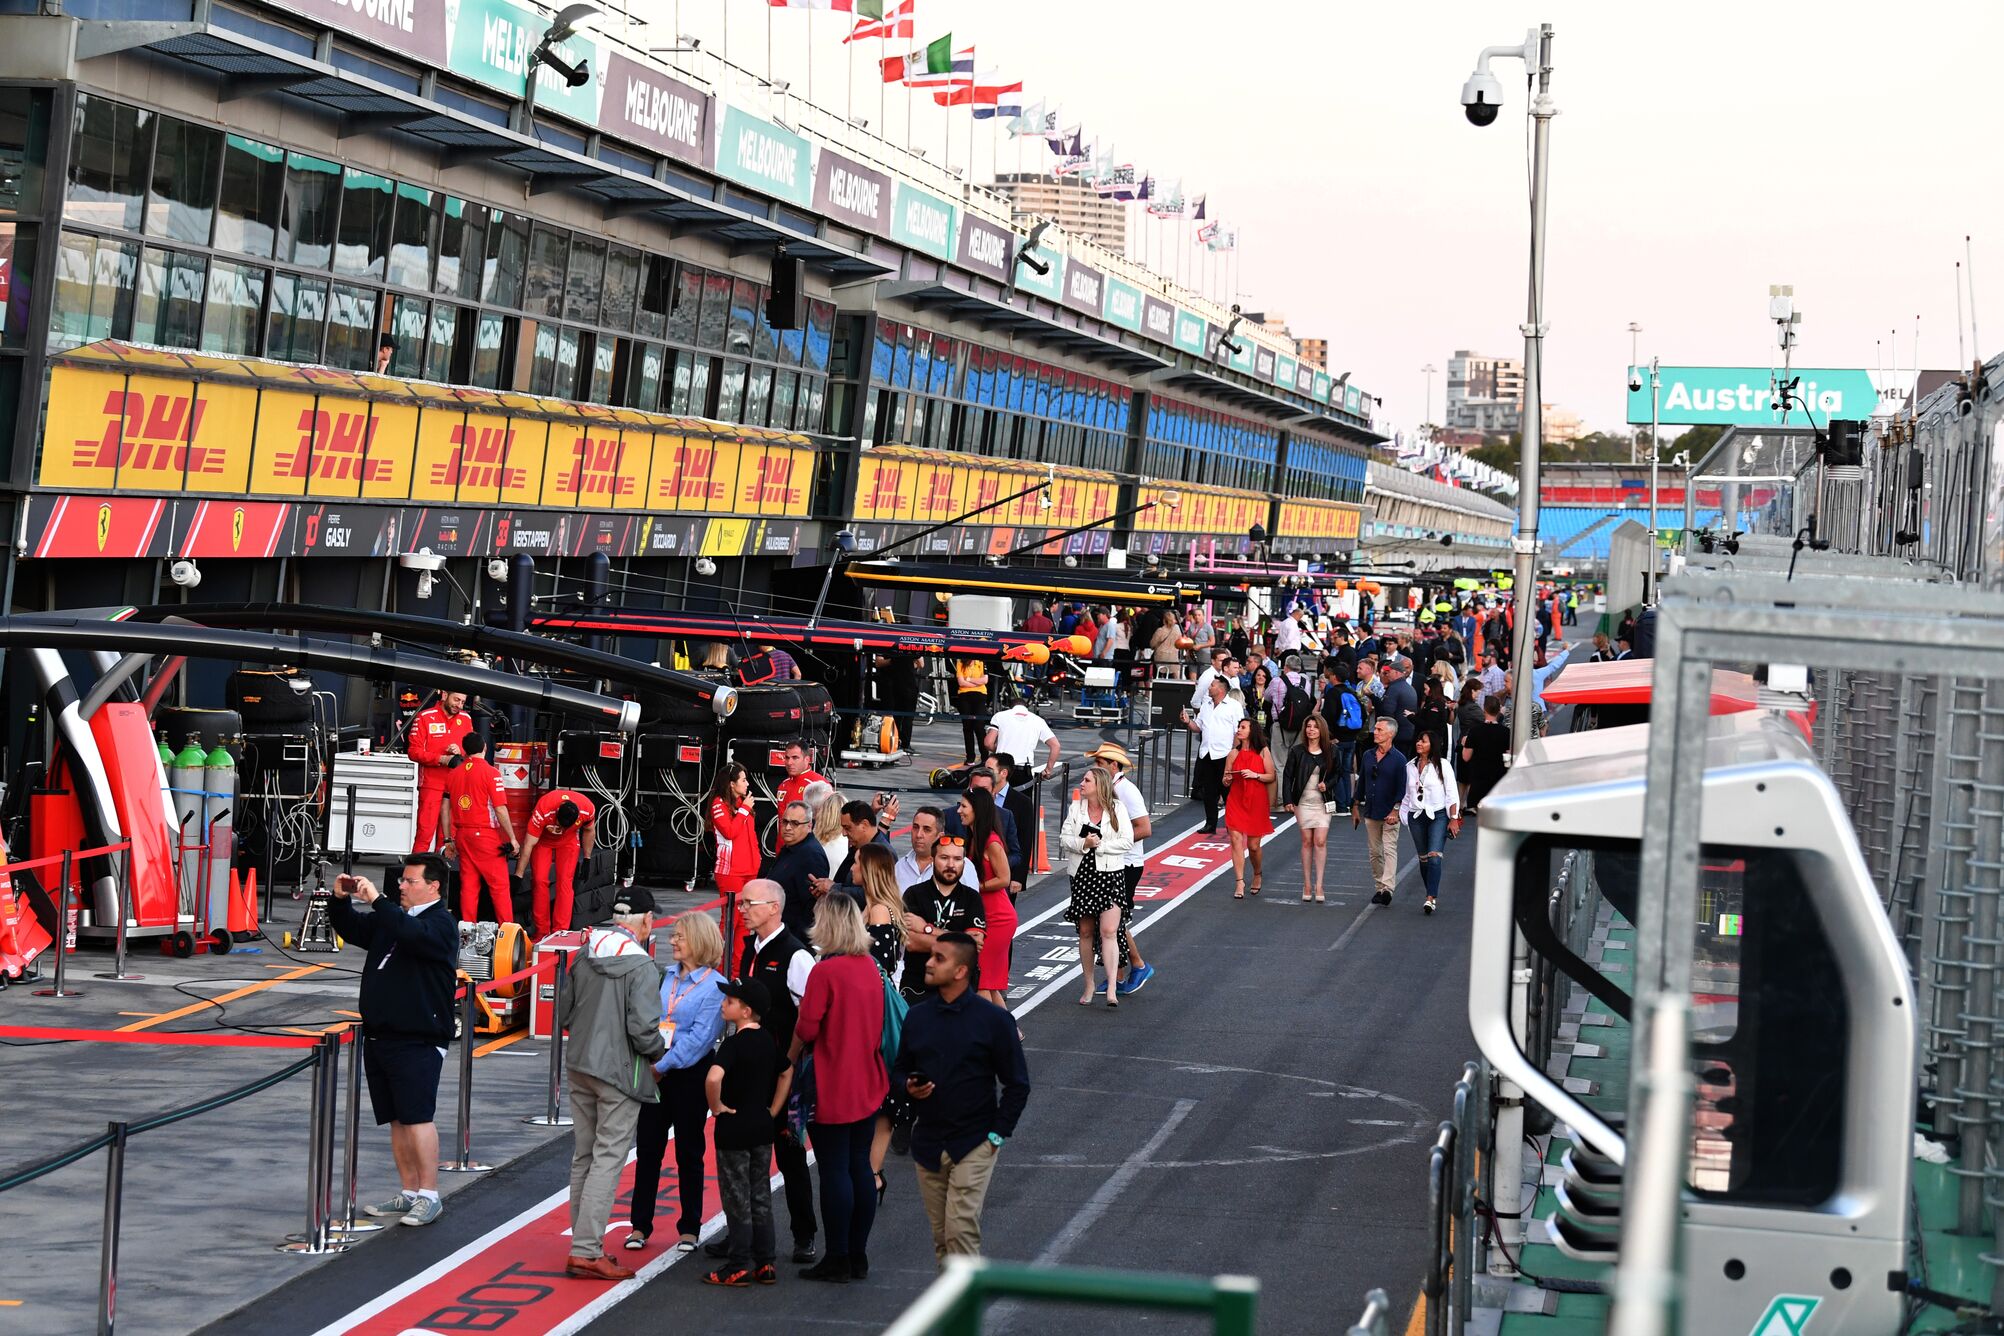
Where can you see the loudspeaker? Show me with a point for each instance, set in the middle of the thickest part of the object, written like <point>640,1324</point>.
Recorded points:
<point>789,280</point>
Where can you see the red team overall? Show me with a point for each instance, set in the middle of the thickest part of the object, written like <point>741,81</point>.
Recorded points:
<point>474,801</point>
<point>558,827</point>
<point>438,731</point>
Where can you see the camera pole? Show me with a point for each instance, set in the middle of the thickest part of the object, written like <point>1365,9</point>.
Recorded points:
<point>1525,545</point>
<point>1655,462</point>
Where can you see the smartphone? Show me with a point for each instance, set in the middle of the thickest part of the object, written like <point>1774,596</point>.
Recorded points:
<point>918,1078</point>
<point>883,797</point>
<point>345,883</point>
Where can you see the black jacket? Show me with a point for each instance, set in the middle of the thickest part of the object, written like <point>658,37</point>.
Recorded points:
<point>1294,775</point>
<point>408,979</point>
<point>791,867</point>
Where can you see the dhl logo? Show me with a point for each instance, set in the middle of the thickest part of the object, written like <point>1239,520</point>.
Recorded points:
<point>939,498</point>
<point>334,447</point>
<point>150,431</point>
<point>775,475</point>
<point>1066,503</point>
<point>694,477</point>
<point>884,498</point>
<point>987,490</point>
<point>479,459</point>
<point>594,469</point>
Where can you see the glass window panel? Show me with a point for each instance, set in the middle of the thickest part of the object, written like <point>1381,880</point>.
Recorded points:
<point>351,327</point>
<point>169,309</point>
<point>921,376</point>
<point>462,248</point>
<point>410,328</point>
<point>414,236</point>
<point>18,252</point>
<point>785,385</point>
<point>24,147</point>
<point>565,385</point>
<point>644,385</point>
<point>883,344</point>
<point>814,394</point>
<point>622,284</point>
<point>96,280</point>
<point>583,285</point>
<point>253,184</point>
<point>507,258</point>
<point>678,388</point>
<point>363,244</point>
<point>236,301</point>
<point>762,346</point>
<point>820,327</point>
<point>744,298</point>
<point>699,384</point>
<point>791,342</point>
<point>297,318</point>
<point>543,361</point>
<point>307,212</point>
<point>716,303</point>
<point>185,165</point>
<point>109,164</point>
<point>658,292</point>
<point>901,360</point>
<point>444,342</point>
<point>604,353</point>
<point>548,249</point>
<point>731,392</point>
<point>490,335</point>
<point>758,396</point>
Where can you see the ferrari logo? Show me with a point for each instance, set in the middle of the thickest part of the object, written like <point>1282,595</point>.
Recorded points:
<point>237,529</point>
<point>103,524</point>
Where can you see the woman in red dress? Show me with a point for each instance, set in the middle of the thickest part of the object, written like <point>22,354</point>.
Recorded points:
<point>1249,775</point>
<point>990,853</point>
<point>731,822</point>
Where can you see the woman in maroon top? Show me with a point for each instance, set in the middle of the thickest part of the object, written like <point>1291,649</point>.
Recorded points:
<point>842,1021</point>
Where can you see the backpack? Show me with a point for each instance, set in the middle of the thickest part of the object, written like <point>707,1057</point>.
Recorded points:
<point>895,1008</point>
<point>1295,706</point>
<point>1349,712</point>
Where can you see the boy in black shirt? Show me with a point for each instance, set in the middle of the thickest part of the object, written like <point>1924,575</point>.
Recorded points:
<point>747,1087</point>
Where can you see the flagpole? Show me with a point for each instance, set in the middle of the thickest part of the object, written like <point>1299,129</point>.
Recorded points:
<point>810,57</point>
<point>849,98</point>
<point>768,43</point>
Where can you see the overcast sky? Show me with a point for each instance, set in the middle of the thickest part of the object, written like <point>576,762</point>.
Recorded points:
<point>1703,151</point>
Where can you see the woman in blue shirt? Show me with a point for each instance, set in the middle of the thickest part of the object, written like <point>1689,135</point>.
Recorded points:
<point>692,1020</point>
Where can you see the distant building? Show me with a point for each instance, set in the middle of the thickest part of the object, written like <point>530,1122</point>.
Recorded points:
<point>1561,426</point>
<point>1315,351</point>
<point>1069,203</point>
<point>1484,394</point>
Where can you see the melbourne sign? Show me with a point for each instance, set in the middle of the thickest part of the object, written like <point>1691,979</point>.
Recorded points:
<point>851,193</point>
<point>414,27</point>
<point>1748,397</point>
<point>1083,288</point>
<point>924,222</point>
<point>651,109</point>
<point>985,248</point>
<point>769,158</point>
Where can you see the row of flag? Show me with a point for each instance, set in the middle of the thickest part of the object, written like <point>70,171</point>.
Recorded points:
<point>949,74</point>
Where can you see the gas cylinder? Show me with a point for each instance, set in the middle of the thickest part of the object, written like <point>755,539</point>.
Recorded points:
<point>186,778</point>
<point>219,779</point>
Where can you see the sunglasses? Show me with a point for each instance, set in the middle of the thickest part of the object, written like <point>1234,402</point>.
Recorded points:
<point>951,842</point>
<point>791,821</point>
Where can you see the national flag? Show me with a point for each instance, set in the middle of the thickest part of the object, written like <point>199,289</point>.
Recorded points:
<point>844,5</point>
<point>1033,120</point>
<point>880,18</point>
<point>1197,208</point>
<point>985,89</point>
<point>1008,100</point>
<point>932,59</point>
<point>944,67</point>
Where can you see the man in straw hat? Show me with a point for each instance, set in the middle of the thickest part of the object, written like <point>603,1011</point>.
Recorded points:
<point>1113,758</point>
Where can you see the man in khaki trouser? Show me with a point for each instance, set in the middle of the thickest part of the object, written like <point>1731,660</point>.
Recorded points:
<point>957,1048</point>
<point>1381,788</point>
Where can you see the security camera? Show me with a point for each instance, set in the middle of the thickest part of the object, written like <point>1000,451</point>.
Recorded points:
<point>426,581</point>
<point>1634,381</point>
<point>705,567</point>
<point>185,574</point>
<point>1482,96</point>
<point>424,559</point>
<point>497,568</point>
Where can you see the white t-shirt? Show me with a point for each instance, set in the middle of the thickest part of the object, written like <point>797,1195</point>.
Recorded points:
<point>1136,808</point>
<point>1287,636</point>
<point>1022,735</point>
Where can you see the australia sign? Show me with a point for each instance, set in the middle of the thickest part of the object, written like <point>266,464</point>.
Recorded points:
<point>1748,396</point>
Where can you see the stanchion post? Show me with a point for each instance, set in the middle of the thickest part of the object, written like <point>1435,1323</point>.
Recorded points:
<point>554,1116</point>
<point>114,1195</point>
<point>315,1240</point>
<point>347,1222</point>
<point>469,1013</point>
<point>62,933</point>
<point>118,973</point>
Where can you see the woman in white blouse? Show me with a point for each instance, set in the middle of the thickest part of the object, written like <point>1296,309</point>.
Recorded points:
<point>1098,833</point>
<point>1430,809</point>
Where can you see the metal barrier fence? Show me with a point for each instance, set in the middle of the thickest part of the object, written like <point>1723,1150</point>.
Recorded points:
<point>1376,1318</point>
<point>1461,1148</point>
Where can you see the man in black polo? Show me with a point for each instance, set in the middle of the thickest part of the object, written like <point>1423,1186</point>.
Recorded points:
<point>795,866</point>
<point>779,960</point>
<point>941,904</point>
<point>407,987</point>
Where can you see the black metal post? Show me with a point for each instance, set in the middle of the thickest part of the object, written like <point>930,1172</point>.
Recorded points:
<point>469,1016</point>
<point>554,1115</point>
<point>107,1265</point>
<point>62,934</point>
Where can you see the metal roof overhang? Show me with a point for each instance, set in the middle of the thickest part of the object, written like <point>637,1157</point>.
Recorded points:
<point>991,314</point>
<point>1267,405</point>
<point>246,67</point>
<point>1021,581</point>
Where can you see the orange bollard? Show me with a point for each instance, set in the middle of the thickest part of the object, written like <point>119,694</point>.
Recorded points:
<point>1043,852</point>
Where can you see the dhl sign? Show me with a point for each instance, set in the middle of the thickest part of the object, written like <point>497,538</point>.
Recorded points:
<point>904,485</point>
<point>124,419</point>
<point>1312,519</point>
<point>1203,511</point>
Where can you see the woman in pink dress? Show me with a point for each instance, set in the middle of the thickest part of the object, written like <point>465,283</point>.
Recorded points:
<point>1249,775</point>
<point>990,856</point>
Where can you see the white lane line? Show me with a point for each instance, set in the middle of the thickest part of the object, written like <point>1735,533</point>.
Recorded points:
<point>1365,912</point>
<point>1102,1200</point>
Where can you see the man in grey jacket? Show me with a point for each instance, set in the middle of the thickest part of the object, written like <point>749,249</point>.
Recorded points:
<point>612,1009</point>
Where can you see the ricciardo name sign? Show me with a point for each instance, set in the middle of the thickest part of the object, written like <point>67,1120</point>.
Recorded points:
<point>1743,396</point>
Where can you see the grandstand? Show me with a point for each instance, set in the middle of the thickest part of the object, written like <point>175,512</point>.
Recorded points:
<point>1580,505</point>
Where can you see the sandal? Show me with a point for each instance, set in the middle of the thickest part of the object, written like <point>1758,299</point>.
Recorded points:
<point>1255,885</point>
<point>1240,893</point>
<point>881,1185</point>
<point>1318,898</point>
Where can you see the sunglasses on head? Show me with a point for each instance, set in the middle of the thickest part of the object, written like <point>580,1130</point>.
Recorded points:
<point>951,841</point>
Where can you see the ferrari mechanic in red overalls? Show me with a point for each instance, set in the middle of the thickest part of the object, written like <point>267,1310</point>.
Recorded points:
<point>437,734</point>
<point>474,801</point>
<point>559,826</point>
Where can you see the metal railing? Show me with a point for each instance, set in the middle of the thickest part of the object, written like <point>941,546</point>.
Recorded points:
<point>1376,1318</point>
<point>955,1303</point>
<point>1452,1196</point>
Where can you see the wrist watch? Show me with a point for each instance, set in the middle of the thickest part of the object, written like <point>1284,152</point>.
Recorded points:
<point>996,1139</point>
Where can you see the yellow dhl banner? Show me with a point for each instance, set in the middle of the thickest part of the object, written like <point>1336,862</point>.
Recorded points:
<point>903,485</point>
<point>127,419</point>
<point>1202,510</point>
<point>1316,519</point>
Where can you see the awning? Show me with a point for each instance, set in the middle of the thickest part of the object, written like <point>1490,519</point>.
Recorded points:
<point>1263,402</point>
<point>246,65</point>
<point>992,314</point>
<point>1045,582</point>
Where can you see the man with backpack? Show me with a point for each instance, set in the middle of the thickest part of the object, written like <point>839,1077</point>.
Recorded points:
<point>1347,715</point>
<point>1296,703</point>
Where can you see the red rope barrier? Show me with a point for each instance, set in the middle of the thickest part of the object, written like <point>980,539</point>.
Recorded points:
<point>164,1040</point>
<point>516,977</point>
<point>8,868</point>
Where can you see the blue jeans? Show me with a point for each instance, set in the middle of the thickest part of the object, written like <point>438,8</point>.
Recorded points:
<point>1346,765</point>
<point>1430,837</point>
<point>848,1186</point>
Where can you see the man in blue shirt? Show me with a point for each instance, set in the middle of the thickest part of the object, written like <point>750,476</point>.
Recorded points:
<point>1540,676</point>
<point>1381,787</point>
<point>956,1049</point>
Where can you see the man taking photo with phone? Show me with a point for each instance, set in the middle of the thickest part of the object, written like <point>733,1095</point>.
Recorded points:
<point>407,986</point>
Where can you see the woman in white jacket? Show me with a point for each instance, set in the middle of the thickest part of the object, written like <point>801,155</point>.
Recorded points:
<point>1430,808</point>
<point>1097,831</point>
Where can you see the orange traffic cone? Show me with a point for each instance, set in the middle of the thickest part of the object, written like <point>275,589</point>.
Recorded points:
<point>243,904</point>
<point>1043,852</point>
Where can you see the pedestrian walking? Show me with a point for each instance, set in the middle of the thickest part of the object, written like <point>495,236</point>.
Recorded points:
<point>961,1061</point>
<point>1468,717</point>
<point>800,773</point>
<point>970,698</point>
<point>915,866</point>
<point>1113,758</point>
<point>780,960</point>
<point>1401,699</point>
<point>612,1012</point>
<point>1430,809</point>
<point>1020,733</point>
<point>884,920</point>
<point>842,1023</point>
<point>1098,833</point>
<point>1435,713</point>
<point>943,902</point>
<point>1485,753</point>
<point>1381,788</point>
<point>1261,701</point>
<point>793,866</point>
<point>407,1014</point>
<point>986,846</point>
<point>692,1020</point>
<point>1215,723</point>
<point>1308,790</point>
<point>1249,775</point>
<point>745,1089</point>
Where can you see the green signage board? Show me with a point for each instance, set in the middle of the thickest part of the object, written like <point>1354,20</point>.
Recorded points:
<point>1323,384</point>
<point>1123,304</point>
<point>1242,360</point>
<point>924,222</point>
<point>769,158</point>
<point>1745,396</point>
<point>1044,285</point>
<point>493,43</point>
<point>1283,372</point>
<point>1189,332</point>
